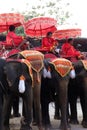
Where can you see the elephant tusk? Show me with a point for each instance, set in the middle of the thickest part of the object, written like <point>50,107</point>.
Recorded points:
<point>47,74</point>
<point>72,74</point>
<point>21,86</point>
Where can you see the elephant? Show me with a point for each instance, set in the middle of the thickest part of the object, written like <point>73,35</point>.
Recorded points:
<point>35,60</point>
<point>15,71</point>
<point>55,83</point>
<point>78,89</point>
<point>3,90</point>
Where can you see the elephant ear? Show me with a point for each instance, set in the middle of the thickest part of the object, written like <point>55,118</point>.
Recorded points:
<point>84,62</point>
<point>12,71</point>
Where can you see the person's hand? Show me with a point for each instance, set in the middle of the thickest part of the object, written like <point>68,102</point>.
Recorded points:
<point>24,37</point>
<point>82,57</point>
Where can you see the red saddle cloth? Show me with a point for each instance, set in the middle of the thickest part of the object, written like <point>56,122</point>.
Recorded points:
<point>4,43</point>
<point>62,66</point>
<point>49,55</point>
<point>41,49</point>
<point>71,58</point>
<point>13,52</point>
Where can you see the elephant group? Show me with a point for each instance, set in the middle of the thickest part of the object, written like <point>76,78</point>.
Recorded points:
<point>40,88</point>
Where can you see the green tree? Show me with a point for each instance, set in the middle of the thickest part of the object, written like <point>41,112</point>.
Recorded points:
<point>20,31</point>
<point>57,9</point>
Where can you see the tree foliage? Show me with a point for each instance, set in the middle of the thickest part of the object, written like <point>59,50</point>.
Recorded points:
<point>57,9</point>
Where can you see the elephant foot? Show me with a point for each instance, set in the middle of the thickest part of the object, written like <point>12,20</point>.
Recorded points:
<point>48,128</point>
<point>40,127</point>
<point>34,123</point>
<point>15,115</point>
<point>25,127</point>
<point>6,128</point>
<point>67,127</point>
<point>84,124</point>
<point>74,121</point>
<point>57,117</point>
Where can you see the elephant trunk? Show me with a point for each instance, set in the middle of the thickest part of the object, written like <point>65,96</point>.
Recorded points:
<point>63,90</point>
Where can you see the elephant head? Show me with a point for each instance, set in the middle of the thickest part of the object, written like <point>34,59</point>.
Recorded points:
<point>62,66</point>
<point>16,70</point>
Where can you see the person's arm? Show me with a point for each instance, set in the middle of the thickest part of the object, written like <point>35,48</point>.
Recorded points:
<point>16,37</point>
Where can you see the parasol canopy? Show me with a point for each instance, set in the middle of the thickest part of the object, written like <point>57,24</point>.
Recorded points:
<point>38,27</point>
<point>66,33</point>
<point>7,19</point>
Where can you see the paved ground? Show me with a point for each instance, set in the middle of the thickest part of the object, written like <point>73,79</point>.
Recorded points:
<point>15,123</point>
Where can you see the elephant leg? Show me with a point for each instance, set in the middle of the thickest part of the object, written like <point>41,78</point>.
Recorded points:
<point>34,118</point>
<point>84,104</point>
<point>45,100</point>
<point>1,107</point>
<point>37,106</point>
<point>63,100</point>
<point>45,114</point>
<point>57,114</point>
<point>73,110</point>
<point>15,106</point>
<point>7,111</point>
<point>27,104</point>
<point>73,94</point>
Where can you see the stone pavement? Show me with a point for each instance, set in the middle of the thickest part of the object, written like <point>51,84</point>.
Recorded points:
<point>15,122</point>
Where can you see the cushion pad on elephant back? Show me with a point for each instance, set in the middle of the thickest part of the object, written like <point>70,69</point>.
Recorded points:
<point>35,58</point>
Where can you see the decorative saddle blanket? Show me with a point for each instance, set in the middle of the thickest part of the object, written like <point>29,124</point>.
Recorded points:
<point>35,58</point>
<point>62,66</point>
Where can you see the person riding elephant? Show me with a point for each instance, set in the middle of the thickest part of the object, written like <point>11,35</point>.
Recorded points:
<point>68,51</point>
<point>55,79</point>
<point>49,43</point>
<point>15,41</point>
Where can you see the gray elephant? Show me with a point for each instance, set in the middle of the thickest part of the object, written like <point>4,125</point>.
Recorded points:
<point>3,89</point>
<point>55,82</point>
<point>31,73</point>
<point>78,89</point>
<point>17,72</point>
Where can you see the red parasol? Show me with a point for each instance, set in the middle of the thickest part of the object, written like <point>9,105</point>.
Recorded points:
<point>66,33</point>
<point>38,27</point>
<point>7,19</point>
